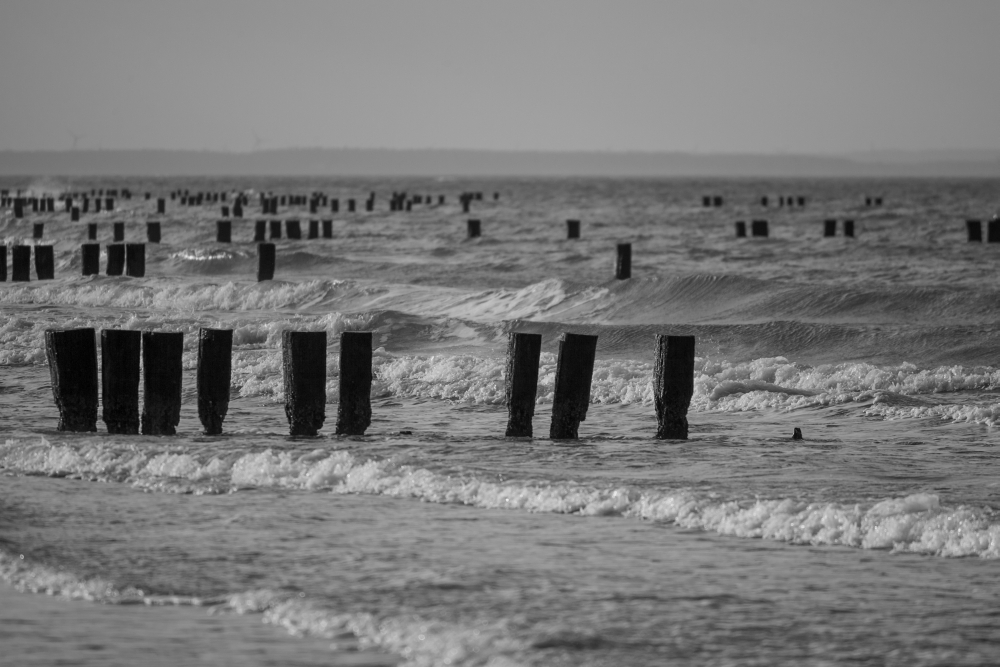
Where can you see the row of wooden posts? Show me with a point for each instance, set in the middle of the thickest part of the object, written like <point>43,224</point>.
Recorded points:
<point>714,201</point>
<point>72,357</point>
<point>760,228</point>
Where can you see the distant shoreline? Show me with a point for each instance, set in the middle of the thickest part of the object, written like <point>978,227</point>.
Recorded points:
<point>347,162</point>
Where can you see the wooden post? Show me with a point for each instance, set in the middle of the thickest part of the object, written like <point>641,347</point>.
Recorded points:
<point>119,232</point>
<point>474,228</point>
<point>215,368</point>
<point>673,385</point>
<point>223,231</point>
<point>116,259</point>
<point>260,231</point>
<point>120,380</point>
<point>44,262</point>
<point>74,214</point>
<point>3,262</point>
<point>153,232</point>
<point>334,205</point>
<point>72,356</point>
<point>574,372</point>
<point>135,259</point>
<point>161,363</point>
<point>717,201</point>
<point>161,206</point>
<point>265,261</point>
<point>849,228</point>
<point>293,229</point>
<point>829,228</point>
<point>763,201</point>
<point>759,228</point>
<point>354,410</point>
<point>975,229</point>
<point>91,231</point>
<point>993,231</point>
<point>91,258</point>
<point>276,229</point>
<point>225,211</point>
<point>623,262</point>
<point>350,205</point>
<point>22,263</point>
<point>328,229</point>
<point>38,230</point>
<point>741,229</point>
<point>572,229</point>
<point>521,382</point>
<point>303,355</point>
<point>314,229</point>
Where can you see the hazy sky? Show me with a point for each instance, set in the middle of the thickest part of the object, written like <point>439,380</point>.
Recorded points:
<point>703,75</point>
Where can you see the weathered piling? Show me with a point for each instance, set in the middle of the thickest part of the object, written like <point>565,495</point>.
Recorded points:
<point>44,262</point>
<point>265,261</point>
<point>849,228</point>
<point>802,201</point>
<point>334,205</point>
<point>120,380</point>
<point>223,231</point>
<point>350,206</point>
<point>90,254</point>
<point>37,230</point>
<point>91,231</point>
<point>72,356</point>
<point>993,231</point>
<point>225,211</point>
<point>153,232</point>
<point>741,229</point>
<point>759,228</point>
<point>975,230</point>
<point>572,229</point>
<point>215,368</point>
<point>237,209</point>
<point>293,229</point>
<point>829,228</point>
<point>161,363</point>
<point>21,260</point>
<point>74,214</point>
<point>161,206</point>
<point>354,411</point>
<point>303,356</point>
<point>673,385</point>
<point>474,228</point>
<point>313,229</point>
<point>328,229</point>
<point>116,259</point>
<point>623,261</point>
<point>135,259</point>
<point>521,382</point>
<point>276,229</point>
<point>3,262</point>
<point>119,232</point>
<point>260,231</point>
<point>706,201</point>
<point>18,208</point>
<point>109,203</point>
<point>764,201</point>
<point>716,201</point>
<point>574,372</point>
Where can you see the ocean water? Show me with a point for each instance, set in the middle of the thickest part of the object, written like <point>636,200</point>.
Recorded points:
<point>435,540</point>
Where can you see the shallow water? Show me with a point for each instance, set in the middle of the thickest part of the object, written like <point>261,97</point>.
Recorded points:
<point>435,540</point>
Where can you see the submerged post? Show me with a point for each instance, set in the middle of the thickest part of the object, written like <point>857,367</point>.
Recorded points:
<point>354,411</point>
<point>135,259</point>
<point>741,229</point>
<point>521,384</point>
<point>22,263</point>
<point>759,228</point>
<point>161,362</point>
<point>120,380</point>
<point>44,262</point>
<point>303,356</point>
<point>623,262</point>
<point>90,254</point>
<point>72,356</point>
<point>265,261</point>
<point>215,369</point>
<point>673,385</point>
<point>116,259</point>
<point>849,228</point>
<point>474,228</point>
<point>574,372</point>
<point>572,229</point>
<point>829,228</point>
<point>975,229</point>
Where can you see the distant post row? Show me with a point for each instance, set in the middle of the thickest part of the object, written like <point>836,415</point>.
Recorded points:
<point>72,357</point>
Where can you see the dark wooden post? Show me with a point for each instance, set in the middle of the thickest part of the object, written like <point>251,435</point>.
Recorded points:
<point>293,229</point>
<point>849,228</point>
<point>72,356</point>
<point>91,258</point>
<point>161,206</point>
<point>276,229</point>
<point>119,232</point>
<point>574,372</point>
<point>3,263</point>
<point>38,230</point>
<point>717,201</point>
<point>161,363</point>
<point>120,380</point>
<point>22,263</point>
<point>474,228</point>
<point>334,205</point>
<point>265,261</point>
<point>215,368</point>
<point>74,214</point>
<point>741,229</point>
<point>260,231</point>
<point>673,385</point>
<point>223,231</point>
<point>116,259</point>
<point>303,355</point>
<point>44,262</point>
<point>623,261</point>
<point>153,232</point>
<point>354,411</point>
<point>135,259</point>
<point>975,229</point>
<point>328,229</point>
<point>759,228</point>
<point>225,211</point>
<point>92,231</point>
<point>521,383</point>
<point>993,231</point>
<point>314,229</point>
<point>572,229</point>
<point>763,201</point>
<point>350,205</point>
<point>802,201</point>
<point>829,228</point>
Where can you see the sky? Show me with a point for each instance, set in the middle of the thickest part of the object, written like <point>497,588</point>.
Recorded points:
<point>709,76</point>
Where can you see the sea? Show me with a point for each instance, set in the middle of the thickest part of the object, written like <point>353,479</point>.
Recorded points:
<point>435,540</point>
